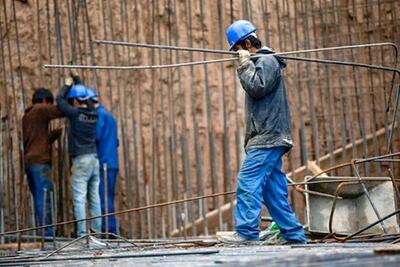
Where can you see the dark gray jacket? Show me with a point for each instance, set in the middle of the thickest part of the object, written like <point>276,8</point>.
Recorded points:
<point>82,125</point>
<point>268,122</point>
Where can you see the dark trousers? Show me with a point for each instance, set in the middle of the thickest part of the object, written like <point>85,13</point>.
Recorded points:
<point>111,180</point>
<point>39,180</point>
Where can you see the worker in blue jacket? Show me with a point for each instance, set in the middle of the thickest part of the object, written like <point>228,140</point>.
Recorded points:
<point>267,139</point>
<point>107,150</point>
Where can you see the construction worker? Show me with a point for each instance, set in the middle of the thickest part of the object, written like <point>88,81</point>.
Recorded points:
<point>267,139</point>
<point>37,152</point>
<point>82,118</point>
<point>107,151</point>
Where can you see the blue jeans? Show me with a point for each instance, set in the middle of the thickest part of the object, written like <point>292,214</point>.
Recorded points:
<point>85,185</point>
<point>111,179</point>
<point>39,180</point>
<point>261,177</point>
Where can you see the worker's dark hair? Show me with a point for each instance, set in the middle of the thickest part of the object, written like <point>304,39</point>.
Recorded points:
<point>41,94</point>
<point>80,102</point>
<point>253,40</point>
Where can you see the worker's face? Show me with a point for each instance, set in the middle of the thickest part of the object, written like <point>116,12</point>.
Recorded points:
<point>44,101</point>
<point>246,46</point>
<point>75,103</point>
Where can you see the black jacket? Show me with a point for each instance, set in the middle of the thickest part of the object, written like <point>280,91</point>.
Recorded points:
<point>82,125</point>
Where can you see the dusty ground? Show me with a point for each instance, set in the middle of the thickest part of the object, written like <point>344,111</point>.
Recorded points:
<point>355,254</point>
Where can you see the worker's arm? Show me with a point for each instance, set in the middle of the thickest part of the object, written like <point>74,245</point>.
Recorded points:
<point>62,103</point>
<point>54,135</point>
<point>261,78</point>
<point>48,112</point>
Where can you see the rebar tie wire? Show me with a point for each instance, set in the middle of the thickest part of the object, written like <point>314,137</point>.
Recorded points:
<point>284,55</point>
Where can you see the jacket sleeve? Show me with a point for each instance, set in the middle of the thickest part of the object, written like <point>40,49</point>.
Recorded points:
<point>62,104</point>
<point>99,126</point>
<point>54,135</point>
<point>49,112</point>
<point>259,79</point>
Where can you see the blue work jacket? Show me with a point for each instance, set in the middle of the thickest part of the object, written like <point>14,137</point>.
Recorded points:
<point>107,138</point>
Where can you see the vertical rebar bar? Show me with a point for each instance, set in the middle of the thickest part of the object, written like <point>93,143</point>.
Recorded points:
<point>331,137</point>
<point>358,85</point>
<point>125,32</point>
<point>299,100</point>
<point>53,217</point>
<point>171,111</point>
<point>60,52</point>
<point>341,102</point>
<point>1,168</point>
<point>10,137</point>
<point>181,107</point>
<point>104,21</point>
<point>373,119</point>
<point>196,136</point>
<point>50,82</point>
<point>319,106</point>
<point>3,154</point>
<point>226,146</point>
<point>21,80</point>
<point>383,98</point>
<point>39,40</point>
<point>92,57</point>
<point>288,45</point>
<point>164,192</point>
<point>44,215</point>
<point>237,128</point>
<point>153,123</point>
<point>137,124</point>
<point>314,127</point>
<point>210,127</point>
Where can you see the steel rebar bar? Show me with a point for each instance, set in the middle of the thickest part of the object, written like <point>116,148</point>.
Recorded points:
<point>225,52</point>
<point>186,64</point>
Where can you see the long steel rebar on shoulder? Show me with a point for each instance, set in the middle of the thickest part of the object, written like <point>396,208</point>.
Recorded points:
<point>204,50</point>
<point>144,67</point>
<point>225,52</point>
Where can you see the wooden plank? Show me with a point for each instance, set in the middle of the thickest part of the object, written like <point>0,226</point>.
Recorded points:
<point>388,250</point>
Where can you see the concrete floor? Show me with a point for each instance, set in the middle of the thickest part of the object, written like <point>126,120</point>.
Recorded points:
<point>335,254</point>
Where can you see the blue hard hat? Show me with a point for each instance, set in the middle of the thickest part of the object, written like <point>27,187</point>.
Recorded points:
<point>238,31</point>
<point>79,92</point>
<point>92,94</point>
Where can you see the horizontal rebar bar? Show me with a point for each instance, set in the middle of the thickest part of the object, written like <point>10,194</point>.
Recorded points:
<point>139,67</point>
<point>108,257</point>
<point>168,47</point>
<point>224,52</point>
<point>144,67</point>
<point>356,161</point>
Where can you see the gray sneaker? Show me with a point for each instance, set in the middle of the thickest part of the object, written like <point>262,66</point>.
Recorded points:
<point>267,234</point>
<point>236,239</point>
<point>96,243</point>
<point>278,240</point>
